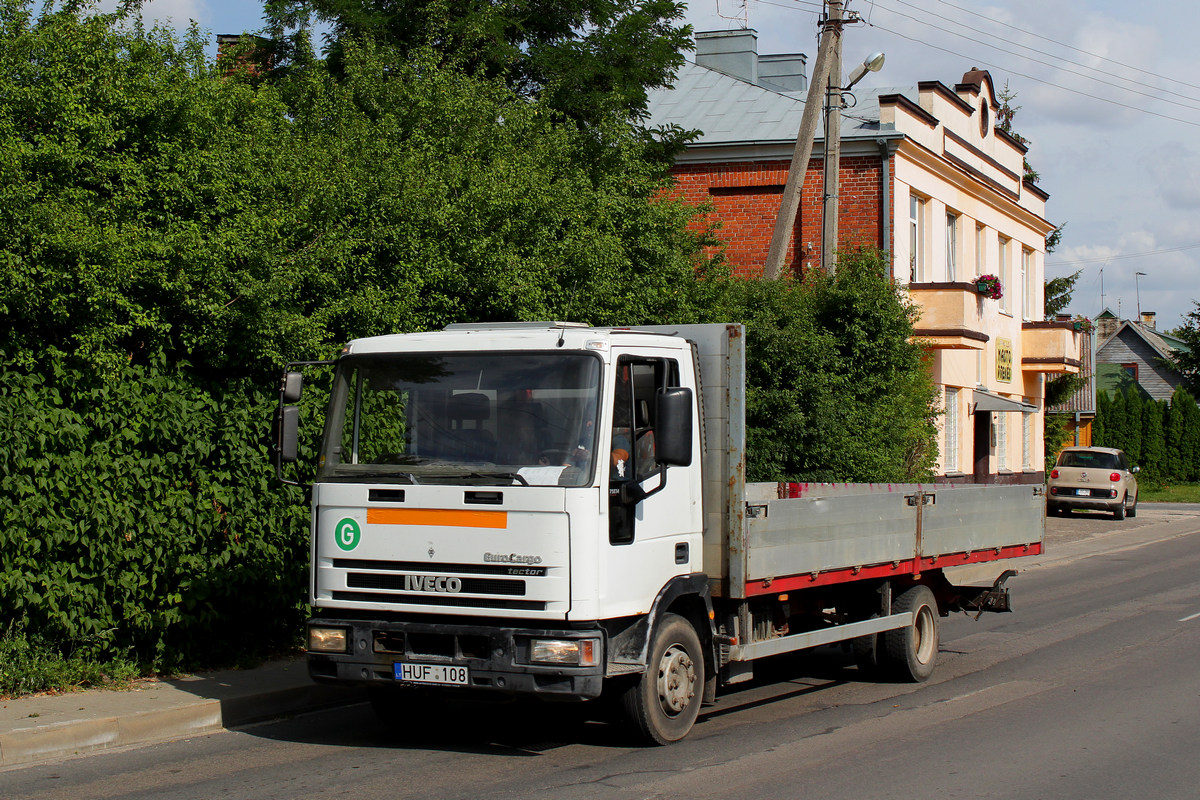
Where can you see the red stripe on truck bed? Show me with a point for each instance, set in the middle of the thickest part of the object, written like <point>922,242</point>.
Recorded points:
<point>910,566</point>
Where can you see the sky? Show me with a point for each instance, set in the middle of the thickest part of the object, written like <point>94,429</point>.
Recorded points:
<point>1105,96</point>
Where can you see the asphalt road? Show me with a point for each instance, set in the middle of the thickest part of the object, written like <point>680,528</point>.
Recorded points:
<point>1091,689</point>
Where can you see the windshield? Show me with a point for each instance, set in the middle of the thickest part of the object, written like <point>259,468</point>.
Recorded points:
<point>494,418</point>
<point>1086,458</point>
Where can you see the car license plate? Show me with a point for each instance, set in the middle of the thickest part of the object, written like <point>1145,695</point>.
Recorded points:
<point>440,674</point>
<point>1083,492</point>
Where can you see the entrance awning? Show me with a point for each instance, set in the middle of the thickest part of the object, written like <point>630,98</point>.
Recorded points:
<point>986,401</point>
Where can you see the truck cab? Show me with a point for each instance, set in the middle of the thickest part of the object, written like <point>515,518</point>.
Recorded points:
<point>498,508</point>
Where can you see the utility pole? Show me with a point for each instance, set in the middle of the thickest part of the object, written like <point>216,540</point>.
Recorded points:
<point>833,145</point>
<point>790,202</point>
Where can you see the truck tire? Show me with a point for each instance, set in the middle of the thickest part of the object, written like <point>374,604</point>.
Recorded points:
<point>910,653</point>
<point>662,706</point>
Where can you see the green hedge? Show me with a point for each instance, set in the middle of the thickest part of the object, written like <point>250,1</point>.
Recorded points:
<point>140,517</point>
<point>1162,438</point>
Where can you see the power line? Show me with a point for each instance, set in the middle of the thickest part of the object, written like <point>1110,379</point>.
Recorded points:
<point>1069,47</point>
<point>793,7</point>
<point>1051,84</point>
<point>1043,63</point>
<point>1123,257</point>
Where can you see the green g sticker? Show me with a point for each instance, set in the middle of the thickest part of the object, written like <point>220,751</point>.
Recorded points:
<point>347,533</point>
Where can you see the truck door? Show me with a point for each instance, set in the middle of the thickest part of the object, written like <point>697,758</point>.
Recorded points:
<point>653,516</point>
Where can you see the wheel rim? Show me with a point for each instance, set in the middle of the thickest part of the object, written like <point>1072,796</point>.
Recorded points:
<point>676,680</point>
<point>924,635</point>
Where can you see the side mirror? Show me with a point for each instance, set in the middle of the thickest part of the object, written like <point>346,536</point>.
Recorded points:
<point>673,437</point>
<point>287,426</point>
<point>291,388</point>
<point>1135,470</point>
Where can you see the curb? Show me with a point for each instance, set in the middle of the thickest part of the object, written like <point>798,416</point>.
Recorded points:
<point>79,723</point>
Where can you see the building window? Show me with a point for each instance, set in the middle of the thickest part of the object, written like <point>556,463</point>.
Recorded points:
<point>1131,370</point>
<point>951,246</point>
<point>916,238</point>
<point>1005,276</point>
<point>950,454</point>
<point>1028,310</point>
<point>980,250</point>
<point>1001,428</point>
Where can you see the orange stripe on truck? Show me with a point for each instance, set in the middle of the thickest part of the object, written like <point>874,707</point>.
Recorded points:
<point>437,516</point>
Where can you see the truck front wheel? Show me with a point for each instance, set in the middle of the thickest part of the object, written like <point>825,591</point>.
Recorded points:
<point>910,653</point>
<point>662,706</point>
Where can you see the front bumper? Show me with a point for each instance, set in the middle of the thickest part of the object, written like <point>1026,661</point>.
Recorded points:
<point>497,657</point>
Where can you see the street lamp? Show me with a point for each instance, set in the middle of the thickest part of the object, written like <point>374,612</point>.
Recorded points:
<point>873,63</point>
<point>1138,290</point>
<point>833,152</point>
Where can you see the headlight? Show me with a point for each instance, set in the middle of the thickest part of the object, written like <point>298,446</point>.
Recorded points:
<point>576,652</point>
<point>328,640</point>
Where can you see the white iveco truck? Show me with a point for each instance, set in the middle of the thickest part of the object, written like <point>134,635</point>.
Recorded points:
<point>559,511</point>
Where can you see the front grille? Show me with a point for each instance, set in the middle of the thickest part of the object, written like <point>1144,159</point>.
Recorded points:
<point>439,599</point>
<point>399,583</point>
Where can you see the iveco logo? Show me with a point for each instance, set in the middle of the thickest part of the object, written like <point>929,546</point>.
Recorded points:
<point>432,583</point>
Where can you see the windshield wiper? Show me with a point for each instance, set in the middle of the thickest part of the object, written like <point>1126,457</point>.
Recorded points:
<point>490,475</point>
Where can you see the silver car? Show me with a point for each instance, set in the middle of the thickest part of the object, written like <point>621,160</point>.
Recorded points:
<point>1099,478</point>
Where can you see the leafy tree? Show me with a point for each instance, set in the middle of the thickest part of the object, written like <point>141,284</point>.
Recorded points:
<point>837,390</point>
<point>174,233</point>
<point>1187,361</point>
<point>156,205</point>
<point>1135,418</point>
<point>1004,121</point>
<point>1189,444</point>
<point>1154,454</point>
<point>1005,114</point>
<point>1101,426</point>
<point>1117,424</point>
<point>1058,293</point>
<point>589,59</point>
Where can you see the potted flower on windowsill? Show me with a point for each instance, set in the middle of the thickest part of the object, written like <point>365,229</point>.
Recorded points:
<point>989,286</point>
<point>1084,325</point>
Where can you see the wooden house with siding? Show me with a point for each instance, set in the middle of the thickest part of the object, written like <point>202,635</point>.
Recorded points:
<point>1136,353</point>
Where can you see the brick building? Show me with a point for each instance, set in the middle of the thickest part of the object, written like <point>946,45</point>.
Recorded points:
<point>925,175</point>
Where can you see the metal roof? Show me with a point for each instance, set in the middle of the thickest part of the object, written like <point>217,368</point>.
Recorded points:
<point>730,110</point>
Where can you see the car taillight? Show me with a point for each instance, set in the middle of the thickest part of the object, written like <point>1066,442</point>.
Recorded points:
<point>1116,476</point>
<point>1053,473</point>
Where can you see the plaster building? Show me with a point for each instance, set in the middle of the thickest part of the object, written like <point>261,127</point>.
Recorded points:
<point>925,175</point>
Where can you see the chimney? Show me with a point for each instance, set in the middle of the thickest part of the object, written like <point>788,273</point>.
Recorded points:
<point>734,53</point>
<point>1148,319</point>
<point>783,73</point>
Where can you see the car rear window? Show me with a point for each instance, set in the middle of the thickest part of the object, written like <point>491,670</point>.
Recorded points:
<point>1077,458</point>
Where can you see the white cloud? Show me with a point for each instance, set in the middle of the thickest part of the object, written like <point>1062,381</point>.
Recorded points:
<point>1174,170</point>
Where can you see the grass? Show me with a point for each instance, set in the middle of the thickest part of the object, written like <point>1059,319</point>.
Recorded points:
<point>29,665</point>
<point>1176,493</point>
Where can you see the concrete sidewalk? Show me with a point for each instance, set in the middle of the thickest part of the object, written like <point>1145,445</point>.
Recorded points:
<point>49,727</point>
<point>46,727</point>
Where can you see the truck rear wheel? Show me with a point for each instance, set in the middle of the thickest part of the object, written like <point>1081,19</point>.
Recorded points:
<point>662,706</point>
<point>910,653</point>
